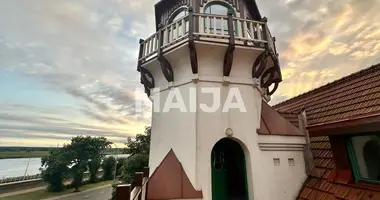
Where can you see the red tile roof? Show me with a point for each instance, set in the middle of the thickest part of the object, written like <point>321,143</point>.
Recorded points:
<point>327,186</point>
<point>356,95</point>
<point>272,123</point>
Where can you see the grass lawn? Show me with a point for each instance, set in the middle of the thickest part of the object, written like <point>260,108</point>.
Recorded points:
<point>42,194</point>
<point>22,154</point>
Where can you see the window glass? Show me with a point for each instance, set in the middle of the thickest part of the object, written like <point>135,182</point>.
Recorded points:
<point>217,9</point>
<point>366,150</point>
<point>179,15</point>
<point>178,29</point>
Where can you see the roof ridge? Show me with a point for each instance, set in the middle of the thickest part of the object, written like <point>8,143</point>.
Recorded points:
<point>330,84</point>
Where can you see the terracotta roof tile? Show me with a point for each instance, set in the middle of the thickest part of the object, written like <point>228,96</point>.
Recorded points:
<point>324,185</point>
<point>339,191</point>
<point>320,139</point>
<point>355,194</point>
<point>306,192</point>
<point>319,195</point>
<point>291,117</point>
<point>355,95</point>
<point>312,182</point>
<point>372,196</point>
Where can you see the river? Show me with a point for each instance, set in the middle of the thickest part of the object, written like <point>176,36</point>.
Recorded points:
<point>17,166</point>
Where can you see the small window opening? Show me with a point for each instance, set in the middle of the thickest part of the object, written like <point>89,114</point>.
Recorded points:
<point>276,161</point>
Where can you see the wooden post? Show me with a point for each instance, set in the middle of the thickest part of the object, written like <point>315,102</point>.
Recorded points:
<point>192,49</point>
<point>265,35</point>
<point>139,178</point>
<point>123,192</point>
<point>139,182</point>
<point>191,24</point>
<point>231,31</point>
<point>146,172</point>
<point>160,39</point>
<point>140,54</point>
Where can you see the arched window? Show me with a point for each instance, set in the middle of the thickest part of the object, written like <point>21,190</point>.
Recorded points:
<point>178,14</point>
<point>218,8</point>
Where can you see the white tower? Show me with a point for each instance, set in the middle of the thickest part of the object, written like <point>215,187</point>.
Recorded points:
<point>210,69</point>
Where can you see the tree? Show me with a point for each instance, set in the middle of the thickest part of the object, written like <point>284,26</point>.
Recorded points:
<point>138,150</point>
<point>74,159</point>
<point>93,168</point>
<point>140,144</point>
<point>81,152</point>
<point>108,167</point>
<point>54,170</point>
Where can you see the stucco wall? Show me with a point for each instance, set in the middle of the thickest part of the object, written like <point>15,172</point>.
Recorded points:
<point>174,130</point>
<point>192,135</point>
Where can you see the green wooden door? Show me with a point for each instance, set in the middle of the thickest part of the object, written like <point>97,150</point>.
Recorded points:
<point>228,170</point>
<point>219,176</point>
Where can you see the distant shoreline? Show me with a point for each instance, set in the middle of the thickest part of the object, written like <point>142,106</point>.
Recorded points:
<point>22,154</point>
<point>38,152</point>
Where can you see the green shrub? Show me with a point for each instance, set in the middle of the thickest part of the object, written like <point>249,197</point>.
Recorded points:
<point>134,163</point>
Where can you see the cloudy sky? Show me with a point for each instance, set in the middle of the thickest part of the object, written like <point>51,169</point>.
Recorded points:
<point>68,67</point>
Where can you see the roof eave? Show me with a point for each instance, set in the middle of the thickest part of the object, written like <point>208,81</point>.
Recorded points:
<point>354,125</point>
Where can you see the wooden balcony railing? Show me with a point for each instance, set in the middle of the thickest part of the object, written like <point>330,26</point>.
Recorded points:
<point>206,27</point>
<point>137,191</point>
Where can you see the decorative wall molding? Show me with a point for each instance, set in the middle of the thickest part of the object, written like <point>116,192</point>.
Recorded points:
<point>281,147</point>
<point>195,78</point>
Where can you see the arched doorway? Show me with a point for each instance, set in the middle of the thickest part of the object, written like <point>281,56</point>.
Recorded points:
<point>228,169</point>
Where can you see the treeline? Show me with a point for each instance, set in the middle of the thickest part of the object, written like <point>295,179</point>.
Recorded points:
<point>27,149</point>
<point>86,154</point>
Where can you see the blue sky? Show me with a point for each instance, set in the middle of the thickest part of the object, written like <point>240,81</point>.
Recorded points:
<point>68,67</point>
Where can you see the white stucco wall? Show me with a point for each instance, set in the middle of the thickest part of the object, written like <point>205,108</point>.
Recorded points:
<point>192,135</point>
<point>174,130</point>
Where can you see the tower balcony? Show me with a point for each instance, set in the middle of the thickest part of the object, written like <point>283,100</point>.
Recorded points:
<point>224,32</point>
<point>208,28</point>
